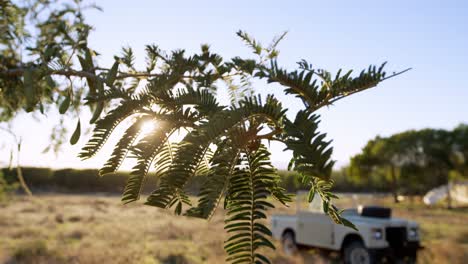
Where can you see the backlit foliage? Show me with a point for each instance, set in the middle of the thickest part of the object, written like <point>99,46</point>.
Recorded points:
<point>226,143</point>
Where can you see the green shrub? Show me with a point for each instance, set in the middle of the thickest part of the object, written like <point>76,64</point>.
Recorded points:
<point>5,188</point>
<point>88,180</point>
<point>37,177</point>
<point>77,179</point>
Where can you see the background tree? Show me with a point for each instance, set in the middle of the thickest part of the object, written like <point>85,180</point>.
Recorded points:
<point>379,154</point>
<point>415,160</point>
<point>40,38</point>
<point>40,42</point>
<point>226,143</point>
<point>460,150</point>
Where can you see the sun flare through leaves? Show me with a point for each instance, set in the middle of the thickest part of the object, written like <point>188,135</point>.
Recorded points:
<point>225,144</point>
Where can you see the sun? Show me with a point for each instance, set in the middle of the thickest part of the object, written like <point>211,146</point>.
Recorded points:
<point>147,127</point>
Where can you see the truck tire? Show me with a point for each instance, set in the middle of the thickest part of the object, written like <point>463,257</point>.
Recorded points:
<point>356,253</point>
<point>288,243</point>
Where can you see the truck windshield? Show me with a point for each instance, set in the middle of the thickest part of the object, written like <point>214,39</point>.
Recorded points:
<point>345,201</point>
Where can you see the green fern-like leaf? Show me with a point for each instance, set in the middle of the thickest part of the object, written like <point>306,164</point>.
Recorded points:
<point>105,126</point>
<point>316,87</point>
<point>248,190</point>
<point>194,146</point>
<point>145,151</point>
<point>311,153</point>
<point>184,165</point>
<point>123,146</point>
<point>312,159</point>
<point>213,189</point>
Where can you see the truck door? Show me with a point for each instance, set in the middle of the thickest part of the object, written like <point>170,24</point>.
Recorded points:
<point>314,227</point>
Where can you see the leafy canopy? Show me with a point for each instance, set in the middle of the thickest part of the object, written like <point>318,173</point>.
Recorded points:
<point>416,155</point>
<point>226,143</point>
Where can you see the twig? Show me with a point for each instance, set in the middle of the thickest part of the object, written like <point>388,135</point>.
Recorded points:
<point>270,135</point>
<point>396,74</point>
<point>19,171</point>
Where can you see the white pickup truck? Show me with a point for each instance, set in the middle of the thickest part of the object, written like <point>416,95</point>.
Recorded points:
<point>380,237</point>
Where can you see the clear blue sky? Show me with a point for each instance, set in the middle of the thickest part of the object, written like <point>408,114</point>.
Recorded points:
<point>429,36</point>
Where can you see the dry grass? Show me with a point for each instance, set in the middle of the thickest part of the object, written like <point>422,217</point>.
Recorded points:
<point>98,229</point>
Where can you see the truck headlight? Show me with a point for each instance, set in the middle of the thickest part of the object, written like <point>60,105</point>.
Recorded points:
<point>377,233</point>
<point>413,232</point>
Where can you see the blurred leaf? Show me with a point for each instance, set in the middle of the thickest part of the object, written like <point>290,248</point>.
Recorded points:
<point>311,195</point>
<point>29,89</point>
<point>76,134</point>
<point>112,73</point>
<point>97,112</point>
<point>178,209</point>
<point>65,105</point>
<point>50,81</point>
<point>347,223</point>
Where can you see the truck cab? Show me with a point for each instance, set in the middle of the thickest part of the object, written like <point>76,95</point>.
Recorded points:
<point>379,236</point>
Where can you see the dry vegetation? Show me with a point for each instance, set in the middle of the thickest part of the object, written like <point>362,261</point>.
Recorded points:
<point>98,229</point>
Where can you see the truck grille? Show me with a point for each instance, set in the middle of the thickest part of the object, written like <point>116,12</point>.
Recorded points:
<point>396,236</point>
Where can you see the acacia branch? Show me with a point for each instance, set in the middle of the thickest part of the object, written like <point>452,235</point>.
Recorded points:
<point>83,74</point>
<point>270,135</point>
<point>345,94</point>
<point>87,74</point>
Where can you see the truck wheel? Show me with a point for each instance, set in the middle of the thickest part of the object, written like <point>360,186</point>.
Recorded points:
<point>288,242</point>
<point>356,253</point>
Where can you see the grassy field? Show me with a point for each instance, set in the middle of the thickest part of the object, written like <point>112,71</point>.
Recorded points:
<point>98,229</point>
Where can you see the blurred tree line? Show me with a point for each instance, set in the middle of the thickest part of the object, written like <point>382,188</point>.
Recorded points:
<point>88,180</point>
<point>74,180</point>
<point>407,163</point>
<point>412,162</point>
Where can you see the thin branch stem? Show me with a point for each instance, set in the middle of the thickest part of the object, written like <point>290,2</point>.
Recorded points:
<point>75,73</point>
<point>396,74</point>
<point>19,171</point>
<point>85,74</point>
<point>270,135</point>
